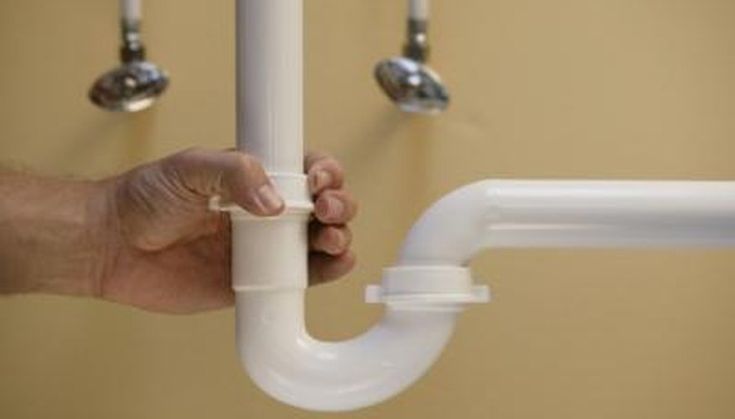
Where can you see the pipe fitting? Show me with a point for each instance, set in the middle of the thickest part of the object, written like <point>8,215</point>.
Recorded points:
<point>268,252</point>
<point>284,361</point>
<point>430,287</point>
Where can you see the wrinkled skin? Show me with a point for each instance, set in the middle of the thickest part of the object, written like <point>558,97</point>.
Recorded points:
<point>170,252</point>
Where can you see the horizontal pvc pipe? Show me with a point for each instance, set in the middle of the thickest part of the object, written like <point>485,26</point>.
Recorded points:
<point>130,10</point>
<point>419,9</point>
<point>537,214</point>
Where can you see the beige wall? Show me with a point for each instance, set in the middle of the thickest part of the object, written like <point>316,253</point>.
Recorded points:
<point>565,88</point>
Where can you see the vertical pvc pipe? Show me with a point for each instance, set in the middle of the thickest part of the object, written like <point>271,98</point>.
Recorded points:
<point>269,82</point>
<point>271,253</point>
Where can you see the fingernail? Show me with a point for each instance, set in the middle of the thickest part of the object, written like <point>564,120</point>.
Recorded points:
<point>269,198</point>
<point>320,180</point>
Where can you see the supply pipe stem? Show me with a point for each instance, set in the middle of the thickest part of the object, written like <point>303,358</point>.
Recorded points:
<point>419,9</point>
<point>131,10</point>
<point>132,48</point>
<point>417,31</point>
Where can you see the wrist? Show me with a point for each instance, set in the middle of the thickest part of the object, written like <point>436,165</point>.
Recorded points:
<point>73,262</point>
<point>52,237</point>
<point>101,238</point>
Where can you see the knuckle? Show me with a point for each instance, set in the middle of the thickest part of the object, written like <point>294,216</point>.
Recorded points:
<point>182,160</point>
<point>312,158</point>
<point>249,165</point>
<point>187,154</point>
<point>331,163</point>
<point>324,162</point>
<point>334,167</point>
<point>245,161</point>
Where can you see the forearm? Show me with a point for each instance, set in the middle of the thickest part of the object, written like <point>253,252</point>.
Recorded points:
<point>50,235</point>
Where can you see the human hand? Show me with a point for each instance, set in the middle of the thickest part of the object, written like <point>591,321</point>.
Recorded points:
<point>169,252</point>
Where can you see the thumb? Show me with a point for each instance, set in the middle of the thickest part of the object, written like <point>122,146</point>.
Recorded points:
<point>235,176</point>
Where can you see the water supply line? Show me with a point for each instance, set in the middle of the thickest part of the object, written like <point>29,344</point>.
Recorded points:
<point>431,284</point>
<point>417,35</point>
<point>136,83</point>
<point>408,80</point>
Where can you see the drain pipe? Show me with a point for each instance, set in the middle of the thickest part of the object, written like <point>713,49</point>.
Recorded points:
<point>572,214</point>
<point>431,284</point>
<point>269,258</point>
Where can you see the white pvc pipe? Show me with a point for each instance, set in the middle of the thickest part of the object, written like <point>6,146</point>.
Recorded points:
<point>130,10</point>
<point>515,214</point>
<point>427,289</point>
<point>419,9</point>
<point>430,286</point>
<point>269,82</point>
<point>293,367</point>
<point>269,259</point>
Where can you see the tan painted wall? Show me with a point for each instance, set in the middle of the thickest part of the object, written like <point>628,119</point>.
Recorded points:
<point>565,88</point>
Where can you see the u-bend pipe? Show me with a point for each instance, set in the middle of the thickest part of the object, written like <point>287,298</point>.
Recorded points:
<point>430,284</point>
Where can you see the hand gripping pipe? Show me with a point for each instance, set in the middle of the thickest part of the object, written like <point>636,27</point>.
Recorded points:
<point>431,284</point>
